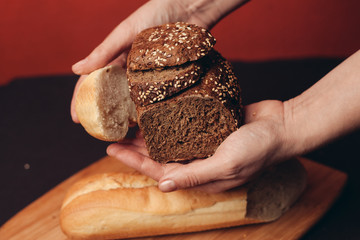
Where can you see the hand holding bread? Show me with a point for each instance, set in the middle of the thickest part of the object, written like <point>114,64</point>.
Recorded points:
<point>238,159</point>
<point>272,132</point>
<point>188,106</point>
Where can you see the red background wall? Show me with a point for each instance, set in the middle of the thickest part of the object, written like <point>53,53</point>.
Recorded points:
<point>41,37</point>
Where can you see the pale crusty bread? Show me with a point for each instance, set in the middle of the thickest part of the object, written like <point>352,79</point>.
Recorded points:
<point>124,205</point>
<point>103,104</point>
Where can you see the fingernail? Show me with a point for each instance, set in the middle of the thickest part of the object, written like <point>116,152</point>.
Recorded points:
<point>78,66</point>
<point>167,186</point>
<point>111,150</point>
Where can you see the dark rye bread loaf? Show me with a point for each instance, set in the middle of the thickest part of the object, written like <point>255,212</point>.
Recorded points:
<point>195,122</point>
<point>169,45</point>
<point>151,85</point>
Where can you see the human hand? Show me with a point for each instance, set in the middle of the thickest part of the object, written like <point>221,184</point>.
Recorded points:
<point>113,50</point>
<point>254,146</point>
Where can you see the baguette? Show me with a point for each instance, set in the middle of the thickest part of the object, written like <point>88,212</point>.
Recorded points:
<point>126,205</point>
<point>103,104</point>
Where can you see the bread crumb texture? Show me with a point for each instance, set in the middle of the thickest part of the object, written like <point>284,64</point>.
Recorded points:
<point>187,96</point>
<point>103,104</point>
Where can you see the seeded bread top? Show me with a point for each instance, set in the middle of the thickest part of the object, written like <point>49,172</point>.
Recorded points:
<point>151,86</point>
<point>169,45</point>
<point>221,83</point>
<point>218,82</point>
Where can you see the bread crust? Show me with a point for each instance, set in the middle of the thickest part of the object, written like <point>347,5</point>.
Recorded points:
<point>145,211</point>
<point>103,104</point>
<point>86,107</point>
<point>221,83</point>
<point>123,205</point>
<point>196,136</point>
<point>150,86</point>
<point>169,45</point>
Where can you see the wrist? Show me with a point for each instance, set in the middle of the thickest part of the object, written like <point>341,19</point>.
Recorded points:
<point>293,131</point>
<point>266,120</point>
<point>327,110</point>
<point>305,126</point>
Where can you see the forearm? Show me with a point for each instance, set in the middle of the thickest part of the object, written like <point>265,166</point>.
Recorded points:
<point>209,11</point>
<point>327,110</point>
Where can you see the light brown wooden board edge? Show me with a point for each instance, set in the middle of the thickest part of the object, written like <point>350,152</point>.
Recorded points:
<point>40,220</point>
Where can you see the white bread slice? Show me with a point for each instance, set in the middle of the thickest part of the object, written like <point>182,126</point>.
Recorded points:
<point>103,104</point>
<point>126,205</point>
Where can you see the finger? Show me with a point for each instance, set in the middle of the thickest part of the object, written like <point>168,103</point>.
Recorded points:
<point>121,60</point>
<point>121,37</point>
<point>132,157</point>
<point>131,147</point>
<point>232,160</point>
<point>190,175</point>
<point>220,186</point>
<point>114,44</point>
<point>72,106</point>
<point>224,185</point>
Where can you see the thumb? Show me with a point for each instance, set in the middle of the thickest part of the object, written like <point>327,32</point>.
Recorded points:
<point>118,41</point>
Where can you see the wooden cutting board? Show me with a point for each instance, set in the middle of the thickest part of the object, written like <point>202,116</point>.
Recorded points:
<point>40,220</point>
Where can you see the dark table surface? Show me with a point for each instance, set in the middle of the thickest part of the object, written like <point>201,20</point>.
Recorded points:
<point>40,146</point>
